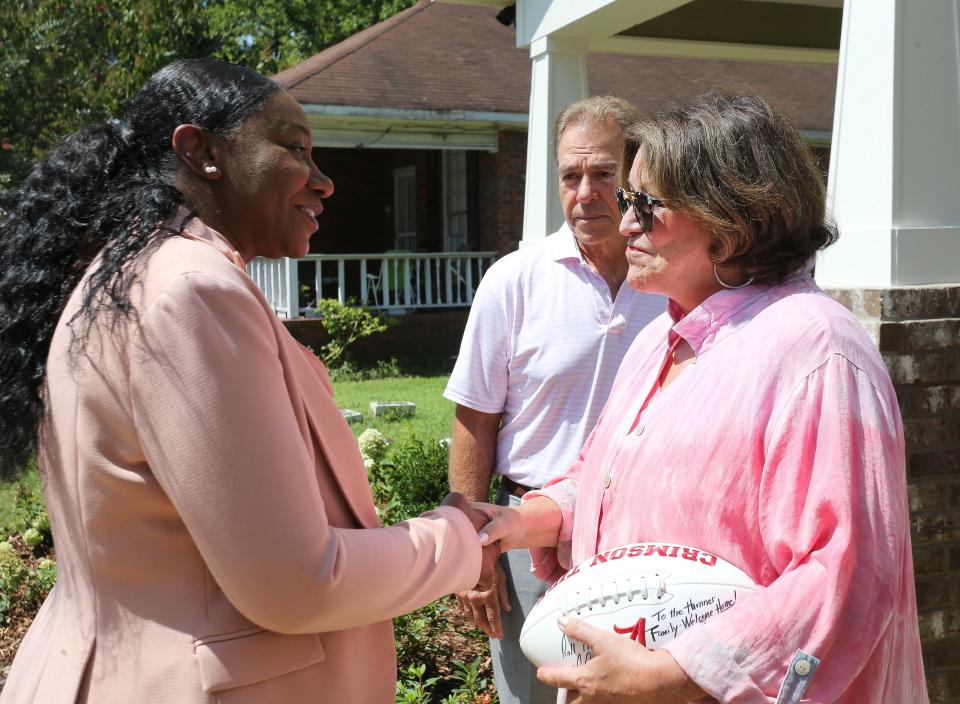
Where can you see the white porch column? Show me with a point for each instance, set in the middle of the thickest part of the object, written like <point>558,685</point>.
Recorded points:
<point>895,164</point>
<point>559,77</point>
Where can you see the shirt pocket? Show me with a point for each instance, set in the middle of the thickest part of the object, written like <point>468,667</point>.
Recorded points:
<point>253,655</point>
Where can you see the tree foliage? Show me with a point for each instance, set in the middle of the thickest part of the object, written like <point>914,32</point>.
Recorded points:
<point>64,63</point>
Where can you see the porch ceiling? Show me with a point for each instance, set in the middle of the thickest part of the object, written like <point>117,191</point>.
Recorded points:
<point>746,22</point>
<point>791,31</point>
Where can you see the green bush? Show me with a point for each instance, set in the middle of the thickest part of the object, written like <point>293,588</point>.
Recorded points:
<point>383,369</point>
<point>21,506</point>
<point>13,570</point>
<point>345,323</point>
<point>412,688</point>
<point>472,683</point>
<point>412,479</point>
<point>40,581</point>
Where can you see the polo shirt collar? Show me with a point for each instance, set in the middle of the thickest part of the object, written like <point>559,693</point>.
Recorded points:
<point>563,245</point>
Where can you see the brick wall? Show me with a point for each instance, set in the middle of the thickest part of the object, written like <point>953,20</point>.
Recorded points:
<point>501,178</point>
<point>917,330</point>
<point>423,338</point>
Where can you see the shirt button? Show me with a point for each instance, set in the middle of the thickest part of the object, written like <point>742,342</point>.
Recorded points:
<point>639,430</point>
<point>802,668</point>
<point>607,481</point>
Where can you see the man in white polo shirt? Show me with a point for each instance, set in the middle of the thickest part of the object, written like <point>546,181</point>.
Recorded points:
<point>547,330</point>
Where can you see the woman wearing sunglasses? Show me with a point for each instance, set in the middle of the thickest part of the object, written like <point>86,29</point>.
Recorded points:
<point>755,419</point>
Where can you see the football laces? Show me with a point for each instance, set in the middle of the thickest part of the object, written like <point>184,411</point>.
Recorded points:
<point>597,595</point>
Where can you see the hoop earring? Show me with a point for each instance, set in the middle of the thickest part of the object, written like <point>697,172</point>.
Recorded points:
<point>723,283</point>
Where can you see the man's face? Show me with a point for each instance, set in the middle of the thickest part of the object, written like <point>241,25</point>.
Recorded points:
<point>588,156</point>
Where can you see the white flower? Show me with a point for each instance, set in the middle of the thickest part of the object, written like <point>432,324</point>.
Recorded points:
<point>373,445</point>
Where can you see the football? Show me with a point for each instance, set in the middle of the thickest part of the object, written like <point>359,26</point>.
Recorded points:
<point>648,592</point>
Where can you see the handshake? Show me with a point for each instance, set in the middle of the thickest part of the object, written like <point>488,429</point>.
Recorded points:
<point>480,516</point>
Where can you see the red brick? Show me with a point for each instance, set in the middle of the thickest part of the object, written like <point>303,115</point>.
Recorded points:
<point>932,463</point>
<point>940,623</point>
<point>917,401</point>
<point>916,335</point>
<point>935,526</point>
<point>932,432</point>
<point>940,653</point>
<point>932,367</point>
<point>943,685</point>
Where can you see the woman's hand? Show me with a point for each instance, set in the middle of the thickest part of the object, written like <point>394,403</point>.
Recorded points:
<point>621,671</point>
<point>533,524</point>
<point>491,550</point>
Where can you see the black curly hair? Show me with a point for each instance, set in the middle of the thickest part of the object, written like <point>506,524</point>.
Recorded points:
<point>107,189</point>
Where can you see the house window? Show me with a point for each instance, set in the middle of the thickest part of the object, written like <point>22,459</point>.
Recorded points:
<point>455,201</point>
<point>405,207</point>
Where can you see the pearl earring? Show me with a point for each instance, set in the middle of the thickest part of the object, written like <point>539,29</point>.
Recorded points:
<point>210,169</point>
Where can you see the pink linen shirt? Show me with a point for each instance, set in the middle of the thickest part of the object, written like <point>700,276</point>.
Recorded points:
<point>780,450</point>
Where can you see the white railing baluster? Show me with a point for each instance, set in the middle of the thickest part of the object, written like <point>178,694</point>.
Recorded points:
<point>427,280</point>
<point>469,282</point>
<point>318,283</point>
<point>407,292</point>
<point>406,280</point>
<point>449,279</point>
<point>363,282</point>
<point>385,283</point>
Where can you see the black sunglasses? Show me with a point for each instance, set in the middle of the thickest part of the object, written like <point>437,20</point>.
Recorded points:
<point>643,205</point>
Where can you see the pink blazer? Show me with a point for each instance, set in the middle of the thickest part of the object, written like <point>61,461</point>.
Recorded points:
<point>216,537</point>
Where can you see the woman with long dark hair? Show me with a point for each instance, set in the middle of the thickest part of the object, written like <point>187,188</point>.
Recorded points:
<point>216,537</point>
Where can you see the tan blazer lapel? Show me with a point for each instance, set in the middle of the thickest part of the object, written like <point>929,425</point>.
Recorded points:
<point>333,435</point>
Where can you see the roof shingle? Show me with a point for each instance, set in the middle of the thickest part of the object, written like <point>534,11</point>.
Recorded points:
<point>437,56</point>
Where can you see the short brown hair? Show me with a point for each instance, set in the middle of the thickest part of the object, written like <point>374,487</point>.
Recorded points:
<point>738,167</point>
<point>597,108</point>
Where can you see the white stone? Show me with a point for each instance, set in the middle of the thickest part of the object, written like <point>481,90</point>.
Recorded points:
<point>351,416</point>
<point>392,409</point>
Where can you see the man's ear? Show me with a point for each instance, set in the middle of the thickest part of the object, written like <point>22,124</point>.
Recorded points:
<point>197,151</point>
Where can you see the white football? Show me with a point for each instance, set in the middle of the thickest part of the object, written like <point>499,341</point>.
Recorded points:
<point>648,592</point>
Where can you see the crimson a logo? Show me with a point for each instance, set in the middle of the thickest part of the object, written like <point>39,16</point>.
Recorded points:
<point>637,632</point>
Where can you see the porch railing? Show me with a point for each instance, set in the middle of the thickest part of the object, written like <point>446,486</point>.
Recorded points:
<point>394,282</point>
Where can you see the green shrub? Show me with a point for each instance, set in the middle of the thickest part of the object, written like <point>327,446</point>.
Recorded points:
<point>345,323</point>
<point>383,369</point>
<point>412,688</point>
<point>13,571</point>
<point>412,479</point>
<point>472,683</point>
<point>40,581</point>
<point>32,538</point>
<point>21,505</point>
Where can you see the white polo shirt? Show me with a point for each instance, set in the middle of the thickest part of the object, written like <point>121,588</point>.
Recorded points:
<point>542,345</point>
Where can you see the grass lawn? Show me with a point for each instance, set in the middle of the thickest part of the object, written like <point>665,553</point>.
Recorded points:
<point>433,417</point>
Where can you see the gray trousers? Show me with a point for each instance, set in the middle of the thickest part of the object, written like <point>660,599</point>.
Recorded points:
<point>514,675</point>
